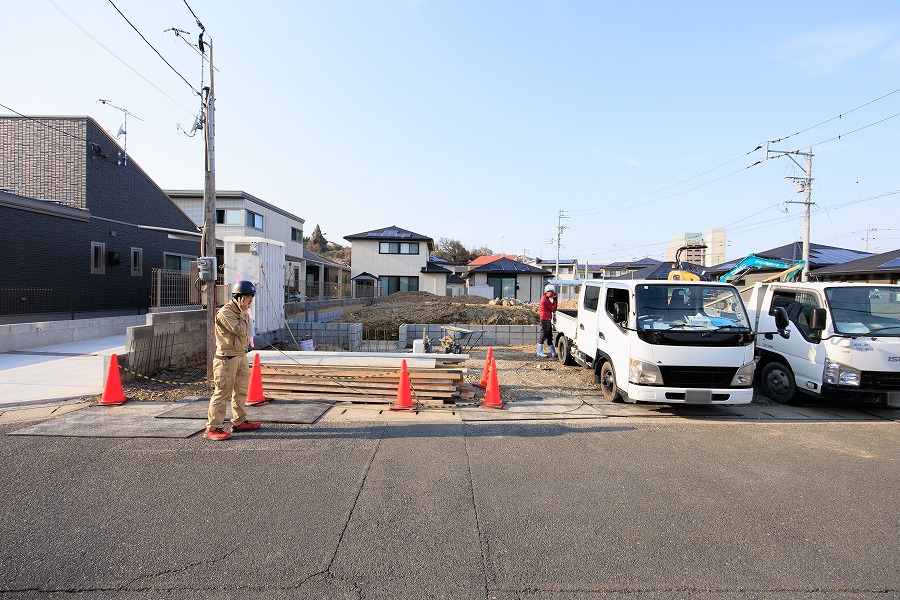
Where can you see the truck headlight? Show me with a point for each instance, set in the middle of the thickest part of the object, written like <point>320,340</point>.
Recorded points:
<point>643,373</point>
<point>840,374</point>
<point>744,375</point>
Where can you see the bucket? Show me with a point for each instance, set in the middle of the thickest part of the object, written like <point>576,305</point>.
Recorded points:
<point>418,346</point>
<point>307,345</point>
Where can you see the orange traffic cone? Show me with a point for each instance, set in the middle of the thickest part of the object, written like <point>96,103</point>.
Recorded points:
<point>255,396</point>
<point>113,395</point>
<point>485,372</point>
<point>492,396</point>
<point>404,396</point>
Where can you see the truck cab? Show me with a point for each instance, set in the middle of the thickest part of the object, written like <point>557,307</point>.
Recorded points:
<point>845,342</point>
<point>661,341</point>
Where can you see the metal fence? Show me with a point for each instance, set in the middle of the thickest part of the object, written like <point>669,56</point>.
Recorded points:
<point>34,304</point>
<point>172,288</point>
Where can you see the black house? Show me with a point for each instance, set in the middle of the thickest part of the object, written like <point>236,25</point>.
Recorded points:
<point>87,229</point>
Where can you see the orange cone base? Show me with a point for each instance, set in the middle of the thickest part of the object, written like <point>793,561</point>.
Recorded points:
<point>406,410</point>
<point>501,406</point>
<point>480,386</point>
<point>103,402</point>
<point>262,402</point>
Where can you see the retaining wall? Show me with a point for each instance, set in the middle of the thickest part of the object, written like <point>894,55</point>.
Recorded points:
<point>23,336</point>
<point>167,338</point>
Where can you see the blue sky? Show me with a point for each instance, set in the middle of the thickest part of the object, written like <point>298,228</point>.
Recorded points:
<point>481,120</point>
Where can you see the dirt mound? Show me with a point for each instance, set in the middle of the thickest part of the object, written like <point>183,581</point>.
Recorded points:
<point>387,314</point>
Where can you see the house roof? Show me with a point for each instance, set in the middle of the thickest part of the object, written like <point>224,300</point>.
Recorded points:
<point>483,260</point>
<point>392,233</point>
<point>364,275</point>
<point>662,270</point>
<point>313,257</point>
<point>886,262</point>
<point>432,267</point>
<point>552,261</point>
<point>455,279</point>
<point>508,266</point>
<point>819,256</point>
<point>630,264</point>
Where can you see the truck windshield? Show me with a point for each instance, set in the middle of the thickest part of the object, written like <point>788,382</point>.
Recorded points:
<point>864,310</point>
<point>690,308</point>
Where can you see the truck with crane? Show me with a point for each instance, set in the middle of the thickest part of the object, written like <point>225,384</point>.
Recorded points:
<point>844,342</point>
<point>664,341</point>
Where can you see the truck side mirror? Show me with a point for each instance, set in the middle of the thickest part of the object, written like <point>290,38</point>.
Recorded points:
<point>620,312</point>
<point>817,319</point>
<point>781,322</point>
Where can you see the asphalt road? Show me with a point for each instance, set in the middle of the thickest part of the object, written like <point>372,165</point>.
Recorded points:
<point>406,506</point>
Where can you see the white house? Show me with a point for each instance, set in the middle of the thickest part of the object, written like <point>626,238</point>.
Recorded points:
<point>394,259</point>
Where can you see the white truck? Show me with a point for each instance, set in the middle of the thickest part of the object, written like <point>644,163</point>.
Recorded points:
<point>845,342</point>
<point>661,341</point>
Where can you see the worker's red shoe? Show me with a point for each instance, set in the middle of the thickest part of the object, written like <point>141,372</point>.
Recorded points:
<point>217,435</point>
<point>246,426</point>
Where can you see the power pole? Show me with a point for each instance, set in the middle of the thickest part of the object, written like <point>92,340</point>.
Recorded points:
<point>869,230</point>
<point>209,209</point>
<point>804,184</point>
<point>559,230</point>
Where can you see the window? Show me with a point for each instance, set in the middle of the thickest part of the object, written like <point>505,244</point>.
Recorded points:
<point>613,296</point>
<point>391,284</point>
<point>137,262</point>
<point>254,220</point>
<point>591,297</point>
<point>799,306</point>
<point>228,216</point>
<point>398,248</point>
<point>98,253</point>
<point>177,262</point>
<point>296,235</point>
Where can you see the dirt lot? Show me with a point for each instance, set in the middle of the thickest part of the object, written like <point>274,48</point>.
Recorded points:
<point>521,374</point>
<point>387,314</point>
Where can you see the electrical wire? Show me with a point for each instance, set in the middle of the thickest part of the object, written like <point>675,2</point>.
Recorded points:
<point>152,48</point>
<point>117,57</point>
<point>47,125</point>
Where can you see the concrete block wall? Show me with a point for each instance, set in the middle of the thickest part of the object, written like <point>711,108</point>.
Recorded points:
<point>167,338</point>
<point>494,335</point>
<point>23,336</point>
<point>347,336</point>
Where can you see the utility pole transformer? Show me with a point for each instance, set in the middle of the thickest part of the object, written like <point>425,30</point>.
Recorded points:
<point>805,185</point>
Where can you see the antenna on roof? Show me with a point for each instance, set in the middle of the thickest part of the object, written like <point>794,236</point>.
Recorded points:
<point>123,130</point>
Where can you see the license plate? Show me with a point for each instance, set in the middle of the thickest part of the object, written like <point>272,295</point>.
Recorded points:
<point>698,396</point>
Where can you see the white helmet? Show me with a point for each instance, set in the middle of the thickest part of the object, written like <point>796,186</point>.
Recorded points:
<point>549,288</point>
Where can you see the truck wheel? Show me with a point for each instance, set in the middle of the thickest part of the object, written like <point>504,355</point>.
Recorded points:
<point>606,379</point>
<point>564,349</point>
<point>777,382</point>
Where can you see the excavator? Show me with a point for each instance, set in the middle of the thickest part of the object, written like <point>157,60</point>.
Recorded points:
<point>790,270</point>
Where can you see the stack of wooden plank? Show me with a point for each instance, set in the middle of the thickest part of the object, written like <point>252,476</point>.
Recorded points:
<point>365,377</point>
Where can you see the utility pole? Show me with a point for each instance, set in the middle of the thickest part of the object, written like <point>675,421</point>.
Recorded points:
<point>804,184</point>
<point>209,208</point>
<point>559,230</point>
<point>869,230</point>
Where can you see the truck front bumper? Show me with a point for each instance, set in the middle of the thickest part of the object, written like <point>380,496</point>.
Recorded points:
<point>671,395</point>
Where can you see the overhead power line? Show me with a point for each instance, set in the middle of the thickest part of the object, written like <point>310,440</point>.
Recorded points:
<point>47,125</point>
<point>117,57</point>
<point>154,49</point>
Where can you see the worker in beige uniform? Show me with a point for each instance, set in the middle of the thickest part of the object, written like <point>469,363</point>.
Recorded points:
<point>231,374</point>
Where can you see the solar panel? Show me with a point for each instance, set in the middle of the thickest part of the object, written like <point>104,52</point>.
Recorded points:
<point>891,264</point>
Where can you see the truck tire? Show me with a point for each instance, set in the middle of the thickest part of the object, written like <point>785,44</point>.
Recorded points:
<point>564,350</point>
<point>777,382</point>
<point>606,379</point>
